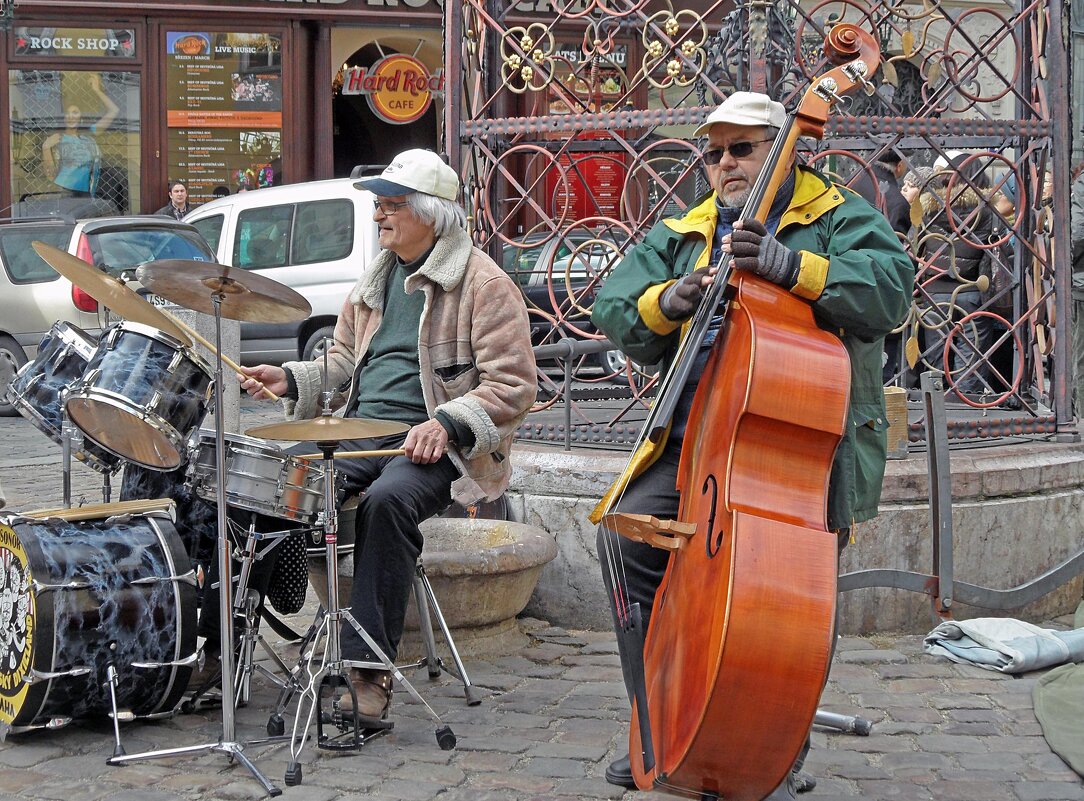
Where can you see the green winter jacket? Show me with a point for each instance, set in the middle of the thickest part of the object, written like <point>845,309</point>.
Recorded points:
<point>854,271</point>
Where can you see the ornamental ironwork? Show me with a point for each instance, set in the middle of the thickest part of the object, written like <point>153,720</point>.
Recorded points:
<point>574,133</point>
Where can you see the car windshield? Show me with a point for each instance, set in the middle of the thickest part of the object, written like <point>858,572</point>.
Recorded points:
<point>126,249</point>
<point>23,264</point>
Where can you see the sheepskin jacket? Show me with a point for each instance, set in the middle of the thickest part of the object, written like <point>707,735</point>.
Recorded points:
<point>474,355</point>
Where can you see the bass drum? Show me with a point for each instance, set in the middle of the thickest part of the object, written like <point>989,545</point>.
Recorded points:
<point>196,519</point>
<point>81,595</point>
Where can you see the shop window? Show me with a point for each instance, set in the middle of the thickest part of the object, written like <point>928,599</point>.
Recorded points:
<point>75,138</point>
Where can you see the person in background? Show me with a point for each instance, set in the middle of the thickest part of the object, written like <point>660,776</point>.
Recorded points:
<point>220,191</point>
<point>71,158</point>
<point>1076,246</point>
<point>886,169</point>
<point>956,221</point>
<point>178,201</point>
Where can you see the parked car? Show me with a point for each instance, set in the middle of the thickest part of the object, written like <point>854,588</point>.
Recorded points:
<point>315,238</point>
<point>560,276</point>
<point>33,296</point>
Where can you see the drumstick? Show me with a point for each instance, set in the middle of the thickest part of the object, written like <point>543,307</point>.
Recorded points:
<point>356,454</point>
<point>225,359</point>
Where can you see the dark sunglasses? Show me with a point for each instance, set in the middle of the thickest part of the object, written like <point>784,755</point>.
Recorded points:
<point>738,150</point>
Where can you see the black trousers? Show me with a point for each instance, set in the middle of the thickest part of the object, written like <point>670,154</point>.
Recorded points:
<point>398,496</point>
<point>640,567</point>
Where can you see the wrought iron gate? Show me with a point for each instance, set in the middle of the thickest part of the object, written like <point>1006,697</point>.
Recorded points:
<point>572,121</point>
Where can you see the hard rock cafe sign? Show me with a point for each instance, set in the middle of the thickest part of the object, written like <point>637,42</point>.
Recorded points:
<point>399,88</point>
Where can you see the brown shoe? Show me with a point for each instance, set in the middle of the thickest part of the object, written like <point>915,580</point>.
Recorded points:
<point>373,691</point>
<point>207,675</point>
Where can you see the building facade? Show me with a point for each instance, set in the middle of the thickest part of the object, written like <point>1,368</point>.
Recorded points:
<point>114,99</point>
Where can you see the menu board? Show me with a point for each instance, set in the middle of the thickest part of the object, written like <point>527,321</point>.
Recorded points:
<point>224,111</point>
<point>592,187</point>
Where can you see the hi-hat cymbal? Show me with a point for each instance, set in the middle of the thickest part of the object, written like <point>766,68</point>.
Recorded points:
<point>109,291</point>
<point>328,429</point>
<point>245,296</point>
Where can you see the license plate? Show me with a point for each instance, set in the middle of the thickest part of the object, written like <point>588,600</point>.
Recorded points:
<point>160,302</point>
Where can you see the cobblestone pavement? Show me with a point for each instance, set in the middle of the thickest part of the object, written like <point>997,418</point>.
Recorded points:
<point>553,715</point>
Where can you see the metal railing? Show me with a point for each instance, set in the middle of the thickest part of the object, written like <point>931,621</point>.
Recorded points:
<point>940,583</point>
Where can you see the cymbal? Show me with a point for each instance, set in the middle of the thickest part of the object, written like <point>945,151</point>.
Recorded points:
<point>245,296</point>
<point>328,429</point>
<point>109,291</point>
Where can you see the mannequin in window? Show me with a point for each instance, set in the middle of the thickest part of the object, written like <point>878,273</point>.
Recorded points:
<point>71,158</point>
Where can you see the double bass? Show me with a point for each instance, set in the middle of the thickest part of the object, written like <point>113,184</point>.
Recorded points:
<point>739,643</point>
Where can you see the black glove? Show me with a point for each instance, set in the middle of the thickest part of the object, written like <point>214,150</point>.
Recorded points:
<point>755,249</point>
<point>679,300</point>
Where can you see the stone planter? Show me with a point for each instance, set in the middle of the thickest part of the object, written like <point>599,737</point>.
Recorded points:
<point>482,571</point>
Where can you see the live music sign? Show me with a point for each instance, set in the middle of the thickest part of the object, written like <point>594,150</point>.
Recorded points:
<point>399,88</point>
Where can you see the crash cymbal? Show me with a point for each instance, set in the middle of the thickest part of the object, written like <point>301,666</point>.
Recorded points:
<point>328,429</point>
<point>109,291</point>
<point>245,296</point>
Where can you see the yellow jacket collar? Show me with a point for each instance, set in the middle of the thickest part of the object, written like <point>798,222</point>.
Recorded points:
<point>813,196</point>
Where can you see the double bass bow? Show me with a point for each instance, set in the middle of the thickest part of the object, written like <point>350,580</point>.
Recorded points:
<point>739,643</point>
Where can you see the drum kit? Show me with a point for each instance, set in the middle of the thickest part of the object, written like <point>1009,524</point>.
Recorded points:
<point>97,602</point>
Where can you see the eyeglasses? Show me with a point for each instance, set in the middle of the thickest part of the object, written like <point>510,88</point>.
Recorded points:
<point>387,207</point>
<point>738,150</point>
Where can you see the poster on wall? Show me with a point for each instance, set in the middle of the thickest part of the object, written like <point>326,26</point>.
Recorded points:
<point>224,111</point>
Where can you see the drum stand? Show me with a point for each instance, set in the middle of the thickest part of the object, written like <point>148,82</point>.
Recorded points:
<point>228,744</point>
<point>246,602</point>
<point>68,433</point>
<point>331,670</point>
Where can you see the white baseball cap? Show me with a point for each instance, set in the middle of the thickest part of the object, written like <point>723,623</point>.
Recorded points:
<point>746,108</point>
<point>414,170</point>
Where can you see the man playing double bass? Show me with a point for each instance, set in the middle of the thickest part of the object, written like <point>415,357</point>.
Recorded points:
<point>821,242</point>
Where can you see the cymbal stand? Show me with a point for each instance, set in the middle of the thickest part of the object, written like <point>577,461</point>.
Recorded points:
<point>71,435</point>
<point>331,669</point>
<point>228,744</point>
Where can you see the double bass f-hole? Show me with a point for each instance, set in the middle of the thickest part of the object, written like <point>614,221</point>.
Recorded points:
<point>713,539</point>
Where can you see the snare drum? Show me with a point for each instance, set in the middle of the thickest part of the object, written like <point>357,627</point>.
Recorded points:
<point>260,477</point>
<point>142,395</point>
<point>78,596</point>
<point>37,389</point>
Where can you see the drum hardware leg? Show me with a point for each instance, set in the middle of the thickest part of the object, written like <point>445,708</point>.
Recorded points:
<point>426,600</point>
<point>67,431</point>
<point>111,680</point>
<point>445,736</point>
<point>107,487</point>
<point>293,685</point>
<point>227,744</point>
<point>849,724</point>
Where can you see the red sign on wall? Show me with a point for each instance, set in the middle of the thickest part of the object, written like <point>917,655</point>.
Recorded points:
<point>593,186</point>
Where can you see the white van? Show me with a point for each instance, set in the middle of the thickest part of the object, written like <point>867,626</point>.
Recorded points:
<point>315,238</point>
